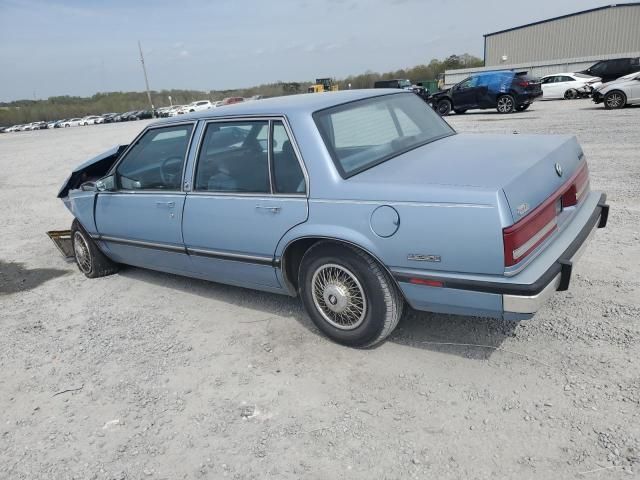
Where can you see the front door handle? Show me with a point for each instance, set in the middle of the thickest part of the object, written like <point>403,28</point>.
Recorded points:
<point>165,204</point>
<point>267,208</point>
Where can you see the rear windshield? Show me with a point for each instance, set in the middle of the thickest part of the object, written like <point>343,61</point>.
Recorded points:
<point>365,133</point>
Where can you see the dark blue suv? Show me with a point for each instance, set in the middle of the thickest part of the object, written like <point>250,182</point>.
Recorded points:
<point>505,90</point>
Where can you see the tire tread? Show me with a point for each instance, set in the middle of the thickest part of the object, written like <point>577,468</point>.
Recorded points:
<point>102,266</point>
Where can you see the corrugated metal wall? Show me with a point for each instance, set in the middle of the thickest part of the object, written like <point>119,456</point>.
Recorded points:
<point>602,32</point>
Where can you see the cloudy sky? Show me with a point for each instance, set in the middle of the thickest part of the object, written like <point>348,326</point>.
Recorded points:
<point>79,47</point>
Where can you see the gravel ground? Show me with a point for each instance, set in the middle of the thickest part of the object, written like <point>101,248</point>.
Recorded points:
<point>148,375</point>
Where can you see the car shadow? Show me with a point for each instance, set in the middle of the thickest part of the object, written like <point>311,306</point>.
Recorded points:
<point>468,337</point>
<point>14,277</point>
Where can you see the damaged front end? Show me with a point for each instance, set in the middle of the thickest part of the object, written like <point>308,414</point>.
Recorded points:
<point>85,175</point>
<point>79,195</point>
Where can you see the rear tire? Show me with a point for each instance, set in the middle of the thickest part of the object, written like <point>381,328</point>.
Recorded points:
<point>444,107</point>
<point>348,295</point>
<point>614,100</point>
<point>506,104</point>
<point>571,94</point>
<point>90,260</point>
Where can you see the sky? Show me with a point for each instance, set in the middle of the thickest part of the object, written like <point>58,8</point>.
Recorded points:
<point>80,47</point>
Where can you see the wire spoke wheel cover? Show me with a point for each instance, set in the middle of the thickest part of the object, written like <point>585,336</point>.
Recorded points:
<point>339,296</point>
<point>81,249</point>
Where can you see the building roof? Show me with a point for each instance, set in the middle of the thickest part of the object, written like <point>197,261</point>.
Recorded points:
<point>605,7</point>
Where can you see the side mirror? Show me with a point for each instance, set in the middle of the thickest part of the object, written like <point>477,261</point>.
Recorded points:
<point>106,184</point>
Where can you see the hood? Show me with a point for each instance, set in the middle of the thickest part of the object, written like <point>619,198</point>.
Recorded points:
<point>622,79</point>
<point>92,169</point>
<point>441,93</point>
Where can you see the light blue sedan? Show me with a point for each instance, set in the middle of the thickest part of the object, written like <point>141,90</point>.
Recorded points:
<point>358,201</point>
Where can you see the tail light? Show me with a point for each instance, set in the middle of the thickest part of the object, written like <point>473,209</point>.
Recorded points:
<point>524,236</point>
<point>579,184</point>
<point>523,83</point>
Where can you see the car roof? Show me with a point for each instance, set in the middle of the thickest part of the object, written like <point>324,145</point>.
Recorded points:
<point>290,104</point>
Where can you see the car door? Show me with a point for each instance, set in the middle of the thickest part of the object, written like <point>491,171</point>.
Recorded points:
<point>548,90</point>
<point>633,95</point>
<point>139,220</point>
<point>249,188</point>
<point>464,94</point>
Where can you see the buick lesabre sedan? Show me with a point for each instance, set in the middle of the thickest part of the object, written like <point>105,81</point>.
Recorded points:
<point>357,201</point>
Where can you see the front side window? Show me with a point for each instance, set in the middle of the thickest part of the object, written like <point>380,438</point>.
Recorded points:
<point>156,160</point>
<point>362,134</point>
<point>234,158</point>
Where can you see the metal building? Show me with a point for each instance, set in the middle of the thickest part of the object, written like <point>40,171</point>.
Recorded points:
<point>613,29</point>
<point>568,43</point>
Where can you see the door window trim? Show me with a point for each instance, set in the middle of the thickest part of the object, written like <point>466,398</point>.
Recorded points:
<point>112,170</point>
<point>270,119</point>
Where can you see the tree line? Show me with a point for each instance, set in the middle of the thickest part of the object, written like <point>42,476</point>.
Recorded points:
<point>54,108</point>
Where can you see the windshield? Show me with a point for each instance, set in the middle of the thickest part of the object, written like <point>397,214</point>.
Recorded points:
<point>404,83</point>
<point>365,133</point>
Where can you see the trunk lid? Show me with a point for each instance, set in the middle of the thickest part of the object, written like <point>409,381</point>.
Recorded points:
<point>523,166</point>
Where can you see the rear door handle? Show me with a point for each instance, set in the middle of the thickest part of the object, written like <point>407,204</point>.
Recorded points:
<point>165,204</point>
<point>267,208</point>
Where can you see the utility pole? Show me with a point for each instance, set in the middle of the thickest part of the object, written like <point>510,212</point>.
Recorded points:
<point>146,80</point>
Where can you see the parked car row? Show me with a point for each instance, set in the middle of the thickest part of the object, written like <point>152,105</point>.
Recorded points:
<point>84,121</point>
<point>616,83</point>
<point>198,106</point>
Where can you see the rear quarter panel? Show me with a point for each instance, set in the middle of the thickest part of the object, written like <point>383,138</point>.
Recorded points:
<point>467,238</point>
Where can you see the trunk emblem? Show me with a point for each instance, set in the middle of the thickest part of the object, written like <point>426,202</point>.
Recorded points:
<point>522,209</point>
<point>559,169</point>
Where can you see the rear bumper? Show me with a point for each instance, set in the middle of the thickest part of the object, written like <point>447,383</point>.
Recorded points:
<point>527,97</point>
<point>506,297</point>
<point>560,272</point>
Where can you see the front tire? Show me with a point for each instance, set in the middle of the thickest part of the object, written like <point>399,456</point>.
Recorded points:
<point>444,107</point>
<point>348,295</point>
<point>90,260</point>
<point>614,100</point>
<point>506,104</point>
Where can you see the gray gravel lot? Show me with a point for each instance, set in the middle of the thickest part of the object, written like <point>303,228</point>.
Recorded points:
<point>167,377</point>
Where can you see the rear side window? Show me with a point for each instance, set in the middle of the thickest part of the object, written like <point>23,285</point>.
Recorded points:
<point>287,173</point>
<point>234,157</point>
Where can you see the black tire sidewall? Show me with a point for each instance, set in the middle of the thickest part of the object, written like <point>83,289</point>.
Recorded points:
<point>374,321</point>
<point>606,104</point>
<point>77,230</point>
<point>444,102</point>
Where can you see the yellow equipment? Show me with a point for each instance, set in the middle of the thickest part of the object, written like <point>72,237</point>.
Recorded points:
<point>323,85</point>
